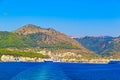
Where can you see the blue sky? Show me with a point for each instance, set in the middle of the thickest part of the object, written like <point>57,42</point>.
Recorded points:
<point>72,17</point>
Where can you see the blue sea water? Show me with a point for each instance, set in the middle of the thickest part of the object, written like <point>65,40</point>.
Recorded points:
<point>58,71</point>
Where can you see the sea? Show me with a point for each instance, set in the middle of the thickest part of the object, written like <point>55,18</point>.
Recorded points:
<point>58,71</point>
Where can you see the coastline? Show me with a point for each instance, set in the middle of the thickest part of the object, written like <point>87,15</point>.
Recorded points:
<point>8,58</point>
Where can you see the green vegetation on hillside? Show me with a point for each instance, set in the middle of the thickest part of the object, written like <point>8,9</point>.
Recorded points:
<point>16,53</point>
<point>45,41</point>
<point>96,44</point>
<point>33,37</point>
<point>13,40</point>
<point>104,46</point>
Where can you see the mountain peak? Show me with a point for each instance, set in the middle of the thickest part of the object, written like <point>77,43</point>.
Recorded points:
<point>31,26</point>
<point>31,29</point>
<point>35,37</point>
<point>48,35</point>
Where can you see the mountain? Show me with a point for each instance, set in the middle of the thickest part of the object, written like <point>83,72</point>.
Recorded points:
<point>102,45</point>
<point>96,44</point>
<point>36,38</point>
<point>114,47</point>
<point>47,37</point>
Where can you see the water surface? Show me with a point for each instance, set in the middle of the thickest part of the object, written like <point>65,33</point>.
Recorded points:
<point>58,71</point>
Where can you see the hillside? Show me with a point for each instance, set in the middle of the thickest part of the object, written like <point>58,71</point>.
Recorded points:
<point>114,47</point>
<point>105,46</point>
<point>96,44</point>
<point>47,37</point>
<point>36,39</point>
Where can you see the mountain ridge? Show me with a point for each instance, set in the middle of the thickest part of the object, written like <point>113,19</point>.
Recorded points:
<point>51,33</point>
<point>32,36</point>
<point>106,46</point>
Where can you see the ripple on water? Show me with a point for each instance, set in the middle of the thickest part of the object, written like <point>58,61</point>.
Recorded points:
<point>42,72</point>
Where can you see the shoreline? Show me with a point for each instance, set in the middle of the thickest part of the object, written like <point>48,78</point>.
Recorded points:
<point>49,62</point>
<point>9,58</point>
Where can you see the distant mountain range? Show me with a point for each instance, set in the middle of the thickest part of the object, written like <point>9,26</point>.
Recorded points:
<point>35,37</point>
<point>103,45</point>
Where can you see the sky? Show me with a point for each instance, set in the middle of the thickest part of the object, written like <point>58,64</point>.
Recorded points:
<point>72,17</point>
